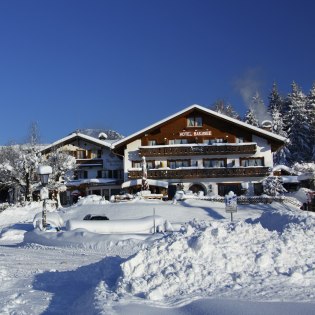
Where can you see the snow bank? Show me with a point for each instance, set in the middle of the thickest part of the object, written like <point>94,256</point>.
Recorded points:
<point>281,218</point>
<point>12,235</point>
<point>52,218</point>
<point>18,214</point>
<point>92,200</point>
<point>213,258</point>
<point>122,245</point>
<point>301,195</point>
<point>143,225</point>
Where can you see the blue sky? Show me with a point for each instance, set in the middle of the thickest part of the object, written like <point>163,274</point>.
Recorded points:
<point>124,64</point>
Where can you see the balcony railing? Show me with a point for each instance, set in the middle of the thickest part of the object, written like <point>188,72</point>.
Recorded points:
<point>198,149</point>
<point>89,162</point>
<point>202,173</point>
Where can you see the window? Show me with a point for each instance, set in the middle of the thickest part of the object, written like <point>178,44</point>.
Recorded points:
<point>194,121</point>
<point>99,154</point>
<point>80,174</point>
<point>92,154</point>
<point>152,142</point>
<point>81,154</point>
<point>252,162</point>
<point>117,174</point>
<point>178,163</point>
<point>150,164</point>
<point>214,163</point>
<point>136,164</point>
<point>99,174</point>
<point>178,141</point>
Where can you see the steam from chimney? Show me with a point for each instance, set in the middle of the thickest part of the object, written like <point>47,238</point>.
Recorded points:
<point>248,86</point>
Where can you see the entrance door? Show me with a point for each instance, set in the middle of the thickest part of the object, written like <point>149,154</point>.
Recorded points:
<point>195,188</point>
<point>224,189</point>
<point>171,191</point>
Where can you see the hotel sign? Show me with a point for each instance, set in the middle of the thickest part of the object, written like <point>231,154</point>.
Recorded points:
<point>195,133</point>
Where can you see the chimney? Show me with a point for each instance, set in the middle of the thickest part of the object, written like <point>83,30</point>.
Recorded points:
<point>266,125</point>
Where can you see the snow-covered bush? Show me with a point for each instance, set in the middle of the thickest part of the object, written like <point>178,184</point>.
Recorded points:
<point>272,186</point>
<point>92,200</point>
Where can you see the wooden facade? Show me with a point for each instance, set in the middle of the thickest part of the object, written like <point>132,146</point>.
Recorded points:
<point>200,147</point>
<point>210,129</point>
<point>202,173</point>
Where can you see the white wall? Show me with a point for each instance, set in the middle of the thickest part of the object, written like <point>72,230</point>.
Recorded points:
<point>264,150</point>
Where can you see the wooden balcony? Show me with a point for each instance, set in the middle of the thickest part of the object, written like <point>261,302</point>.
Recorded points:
<point>89,162</point>
<point>197,149</point>
<point>202,173</point>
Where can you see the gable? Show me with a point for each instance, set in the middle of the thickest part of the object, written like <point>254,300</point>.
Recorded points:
<point>214,126</point>
<point>77,140</point>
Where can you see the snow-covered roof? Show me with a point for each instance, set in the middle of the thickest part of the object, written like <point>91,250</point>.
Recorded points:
<point>90,180</point>
<point>290,179</point>
<point>209,111</point>
<point>306,176</point>
<point>151,182</point>
<point>282,167</point>
<point>79,135</point>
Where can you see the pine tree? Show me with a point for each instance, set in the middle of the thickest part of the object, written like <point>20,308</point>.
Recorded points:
<point>298,127</point>
<point>256,110</point>
<point>275,100</point>
<point>250,118</point>
<point>227,109</point>
<point>275,108</point>
<point>280,156</point>
<point>310,107</point>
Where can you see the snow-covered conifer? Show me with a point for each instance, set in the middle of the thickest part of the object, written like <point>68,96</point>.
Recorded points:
<point>227,109</point>
<point>257,106</point>
<point>250,117</point>
<point>280,156</point>
<point>310,107</point>
<point>298,127</point>
<point>275,100</point>
<point>272,186</point>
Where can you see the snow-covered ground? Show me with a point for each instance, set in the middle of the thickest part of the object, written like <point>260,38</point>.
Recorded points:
<point>262,262</point>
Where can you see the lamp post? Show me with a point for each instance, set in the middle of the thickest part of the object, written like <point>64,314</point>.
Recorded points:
<point>44,171</point>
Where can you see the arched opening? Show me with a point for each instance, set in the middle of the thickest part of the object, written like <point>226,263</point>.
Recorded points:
<point>196,188</point>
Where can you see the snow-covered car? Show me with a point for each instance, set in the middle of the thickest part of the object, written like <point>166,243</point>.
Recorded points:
<point>95,217</point>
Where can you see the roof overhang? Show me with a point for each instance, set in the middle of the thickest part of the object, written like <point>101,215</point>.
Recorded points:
<point>138,182</point>
<point>91,181</point>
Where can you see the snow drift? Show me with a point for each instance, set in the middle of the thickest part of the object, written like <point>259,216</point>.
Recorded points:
<point>217,258</point>
<point>144,225</point>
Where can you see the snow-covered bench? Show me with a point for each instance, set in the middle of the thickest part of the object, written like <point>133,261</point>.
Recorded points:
<point>153,196</point>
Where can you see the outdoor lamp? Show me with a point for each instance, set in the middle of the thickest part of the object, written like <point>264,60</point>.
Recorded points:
<point>44,171</point>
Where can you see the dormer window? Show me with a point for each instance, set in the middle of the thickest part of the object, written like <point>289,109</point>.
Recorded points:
<point>194,121</point>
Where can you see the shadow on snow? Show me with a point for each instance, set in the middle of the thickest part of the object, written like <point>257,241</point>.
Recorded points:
<point>74,289</point>
<point>212,213</point>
